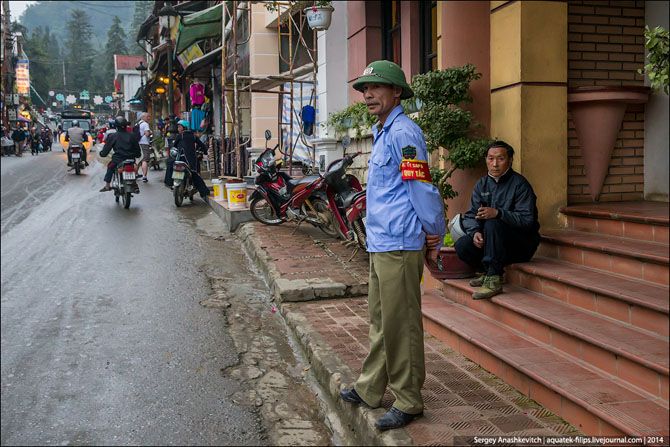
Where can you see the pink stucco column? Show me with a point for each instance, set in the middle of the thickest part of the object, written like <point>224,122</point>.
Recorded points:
<point>465,38</point>
<point>410,38</point>
<point>364,40</point>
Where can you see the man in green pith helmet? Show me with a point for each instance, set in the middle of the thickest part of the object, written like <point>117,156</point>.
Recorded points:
<point>405,223</point>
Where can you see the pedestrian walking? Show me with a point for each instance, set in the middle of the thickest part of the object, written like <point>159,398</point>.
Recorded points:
<point>145,145</point>
<point>19,136</point>
<point>405,222</point>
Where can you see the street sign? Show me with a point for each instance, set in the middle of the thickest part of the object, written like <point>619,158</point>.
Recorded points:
<point>60,97</point>
<point>84,95</point>
<point>12,114</point>
<point>97,100</point>
<point>71,99</point>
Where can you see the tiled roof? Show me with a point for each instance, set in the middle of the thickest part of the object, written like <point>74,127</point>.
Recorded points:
<point>122,62</point>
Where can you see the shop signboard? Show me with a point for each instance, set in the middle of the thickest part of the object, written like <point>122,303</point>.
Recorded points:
<point>23,77</point>
<point>190,54</point>
<point>12,114</point>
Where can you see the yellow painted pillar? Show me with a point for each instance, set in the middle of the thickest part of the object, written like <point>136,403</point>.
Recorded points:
<point>529,96</point>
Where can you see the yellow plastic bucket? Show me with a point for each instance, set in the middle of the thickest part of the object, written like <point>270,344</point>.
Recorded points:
<point>217,185</point>
<point>237,195</point>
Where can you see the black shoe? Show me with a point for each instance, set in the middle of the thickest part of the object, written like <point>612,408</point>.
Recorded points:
<point>352,397</point>
<point>395,418</point>
<point>85,163</point>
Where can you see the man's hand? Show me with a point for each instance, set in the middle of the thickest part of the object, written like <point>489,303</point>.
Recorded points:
<point>432,241</point>
<point>431,257</point>
<point>484,212</point>
<point>478,240</point>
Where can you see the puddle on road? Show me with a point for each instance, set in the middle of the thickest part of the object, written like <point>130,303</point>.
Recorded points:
<point>273,375</point>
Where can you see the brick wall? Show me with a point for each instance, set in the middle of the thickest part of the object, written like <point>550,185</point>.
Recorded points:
<point>606,47</point>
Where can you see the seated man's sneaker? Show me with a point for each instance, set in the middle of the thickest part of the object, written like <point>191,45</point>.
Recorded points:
<point>352,397</point>
<point>492,286</point>
<point>478,281</point>
<point>395,418</point>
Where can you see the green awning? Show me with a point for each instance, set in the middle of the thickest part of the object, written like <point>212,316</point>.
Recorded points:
<point>198,26</point>
<point>36,98</point>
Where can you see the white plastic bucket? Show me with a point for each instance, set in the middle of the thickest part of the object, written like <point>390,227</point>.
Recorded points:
<point>218,189</point>
<point>237,195</point>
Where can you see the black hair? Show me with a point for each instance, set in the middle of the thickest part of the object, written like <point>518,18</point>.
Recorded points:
<point>500,143</point>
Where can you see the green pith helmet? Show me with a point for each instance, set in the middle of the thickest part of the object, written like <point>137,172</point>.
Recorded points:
<point>384,72</point>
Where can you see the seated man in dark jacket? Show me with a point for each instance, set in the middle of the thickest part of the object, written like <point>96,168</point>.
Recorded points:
<point>501,225</point>
<point>125,147</point>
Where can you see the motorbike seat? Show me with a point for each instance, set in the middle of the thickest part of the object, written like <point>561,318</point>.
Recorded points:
<point>293,182</point>
<point>351,197</point>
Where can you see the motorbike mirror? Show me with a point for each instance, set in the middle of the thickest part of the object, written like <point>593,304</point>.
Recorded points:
<point>346,141</point>
<point>268,135</point>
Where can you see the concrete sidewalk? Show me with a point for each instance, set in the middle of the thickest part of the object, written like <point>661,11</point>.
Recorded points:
<point>322,298</point>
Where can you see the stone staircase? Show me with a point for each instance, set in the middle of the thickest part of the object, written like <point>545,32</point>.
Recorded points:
<point>582,328</point>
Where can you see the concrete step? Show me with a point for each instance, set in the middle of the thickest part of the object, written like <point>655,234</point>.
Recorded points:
<point>646,221</point>
<point>632,355</point>
<point>594,401</point>
<point>637,259</point>
<point>641,304</point>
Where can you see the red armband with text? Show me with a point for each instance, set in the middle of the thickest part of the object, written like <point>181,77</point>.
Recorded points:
<point>415,170</point>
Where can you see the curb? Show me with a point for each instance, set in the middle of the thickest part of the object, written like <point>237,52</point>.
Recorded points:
<point>329,371</point>
<point>285,290</point>
<point>334,376</point>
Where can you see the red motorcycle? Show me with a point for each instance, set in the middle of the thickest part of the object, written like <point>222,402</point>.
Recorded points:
<point>346,200</point>
<point>279,198</point>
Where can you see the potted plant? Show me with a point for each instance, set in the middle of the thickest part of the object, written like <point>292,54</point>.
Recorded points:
<point>318,13</point>
<point>439,95</point>
<point>657,43</point>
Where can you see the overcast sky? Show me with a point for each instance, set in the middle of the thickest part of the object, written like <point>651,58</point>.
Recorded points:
<point>17,7</point>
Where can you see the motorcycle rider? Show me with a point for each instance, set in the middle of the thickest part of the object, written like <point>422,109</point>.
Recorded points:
<point>125,147</point>
<point>109,131</point>
<point>188,142</point>
<point>76,136</point>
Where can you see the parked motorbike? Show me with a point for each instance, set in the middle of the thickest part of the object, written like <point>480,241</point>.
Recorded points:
<point>154,157</point>
<point>182,178</point>
<point>123,182</point>
<point>347,201</point>
<point>279,198</point>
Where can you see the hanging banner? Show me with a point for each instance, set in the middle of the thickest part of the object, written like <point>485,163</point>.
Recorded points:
<point>23,77</point>
<point>190,54</point>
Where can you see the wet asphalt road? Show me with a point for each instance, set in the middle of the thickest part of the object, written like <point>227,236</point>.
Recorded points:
<point>103,339</point>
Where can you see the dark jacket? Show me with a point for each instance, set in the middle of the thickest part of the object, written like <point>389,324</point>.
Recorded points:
<point>18,135</point>
<point>512,196</point>
<point>188,142</point>
<point>124,144</point>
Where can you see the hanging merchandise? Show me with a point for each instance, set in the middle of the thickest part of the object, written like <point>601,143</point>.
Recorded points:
<point>197,94</point>
<point>197,116</point>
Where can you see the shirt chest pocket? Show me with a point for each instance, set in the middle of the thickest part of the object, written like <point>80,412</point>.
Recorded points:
<point>381,169</point>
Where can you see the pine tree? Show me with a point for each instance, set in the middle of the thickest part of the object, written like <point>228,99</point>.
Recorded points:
<point>141,13</point>
<point>35,49</point>
<point>116,39</point>
<point>79,53</point>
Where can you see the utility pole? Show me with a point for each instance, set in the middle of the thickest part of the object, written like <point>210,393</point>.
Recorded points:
<point>64,84</point>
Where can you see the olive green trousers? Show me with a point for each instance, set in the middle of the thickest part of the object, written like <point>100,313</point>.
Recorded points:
<point>396,331</point>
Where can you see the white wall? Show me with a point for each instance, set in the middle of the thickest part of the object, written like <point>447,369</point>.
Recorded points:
<point>656,136</point>
<point>332,88</point>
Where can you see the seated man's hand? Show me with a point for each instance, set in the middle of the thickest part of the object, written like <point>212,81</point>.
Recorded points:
<point>431,257</point>
<point>478,240</point>
<point>484,212</point>
<point>432,241</point>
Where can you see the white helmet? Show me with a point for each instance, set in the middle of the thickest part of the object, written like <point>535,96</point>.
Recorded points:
<point>456,229</point>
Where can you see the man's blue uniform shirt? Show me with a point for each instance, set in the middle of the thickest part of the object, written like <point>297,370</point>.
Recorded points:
<point>400,212</point>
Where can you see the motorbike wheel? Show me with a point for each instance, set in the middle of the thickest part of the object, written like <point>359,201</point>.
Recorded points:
<point>324,216</point>
<point>116,196</point>
<point>126,199</point>
<point>336,226</point>
<point>179,194</point>
<point>77,169</point>
<point>263,212</point>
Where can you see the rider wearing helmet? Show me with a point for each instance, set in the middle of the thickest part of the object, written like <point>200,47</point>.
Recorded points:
<point>76,136</point>
<point>110,131</point>
<point>125,147</point>
<point>189,145</point>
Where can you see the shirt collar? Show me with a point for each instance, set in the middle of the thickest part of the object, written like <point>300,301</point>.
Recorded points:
<point>389,120</point>
<point>502,177</point>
